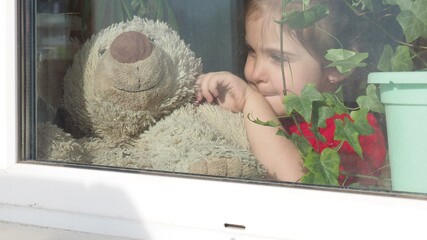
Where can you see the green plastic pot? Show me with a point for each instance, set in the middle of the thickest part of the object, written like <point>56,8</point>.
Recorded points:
<point>404,95</point>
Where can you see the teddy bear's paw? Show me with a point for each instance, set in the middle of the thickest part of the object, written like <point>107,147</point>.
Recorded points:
<point>124,155</point>
<point>56,145</point>
<point>126,163</point>
<point>253,172</point>
<point>226,167</point>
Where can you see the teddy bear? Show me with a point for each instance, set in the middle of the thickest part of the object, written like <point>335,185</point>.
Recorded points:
<point>129,97</point>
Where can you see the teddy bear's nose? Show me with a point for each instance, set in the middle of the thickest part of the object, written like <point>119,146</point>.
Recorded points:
<point>130,47</point>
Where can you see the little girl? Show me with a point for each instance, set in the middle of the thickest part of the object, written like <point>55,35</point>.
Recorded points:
<point>261,93</point>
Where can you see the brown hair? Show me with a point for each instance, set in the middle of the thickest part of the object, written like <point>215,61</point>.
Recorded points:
<point>353,31</point>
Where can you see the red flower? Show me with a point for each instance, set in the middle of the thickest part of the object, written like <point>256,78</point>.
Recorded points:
<point>373,148</point>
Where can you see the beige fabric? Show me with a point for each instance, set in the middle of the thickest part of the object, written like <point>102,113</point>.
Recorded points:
<point>140,115</point>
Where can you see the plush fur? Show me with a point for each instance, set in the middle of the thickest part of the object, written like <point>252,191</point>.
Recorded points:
<point>130,91</point>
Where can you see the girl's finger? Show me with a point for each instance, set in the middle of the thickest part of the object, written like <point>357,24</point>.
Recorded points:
<point>213,86</point>
<point>204,89</point>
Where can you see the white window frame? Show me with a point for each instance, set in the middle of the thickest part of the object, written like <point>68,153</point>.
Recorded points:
<point>149,206</point>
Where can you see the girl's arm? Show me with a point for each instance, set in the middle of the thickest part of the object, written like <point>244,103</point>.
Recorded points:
<point>278,154</point>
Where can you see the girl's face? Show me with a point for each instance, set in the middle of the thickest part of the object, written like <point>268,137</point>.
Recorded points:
<point>264,60</point>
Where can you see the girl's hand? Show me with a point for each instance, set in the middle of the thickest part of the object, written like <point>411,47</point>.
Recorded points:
<point>224,88</point>
<point>277,154</point>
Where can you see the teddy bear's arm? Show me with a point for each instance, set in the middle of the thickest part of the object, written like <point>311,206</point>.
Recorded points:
<point>54,144</point>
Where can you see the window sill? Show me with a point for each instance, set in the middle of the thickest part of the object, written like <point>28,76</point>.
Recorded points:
<point>145,206</point>
<point>17,231</point>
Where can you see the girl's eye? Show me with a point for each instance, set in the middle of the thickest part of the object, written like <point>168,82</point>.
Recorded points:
<point>279,58</point>
<point>250,50</point>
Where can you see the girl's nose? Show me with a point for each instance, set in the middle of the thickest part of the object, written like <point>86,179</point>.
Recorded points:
<point>257,72</point>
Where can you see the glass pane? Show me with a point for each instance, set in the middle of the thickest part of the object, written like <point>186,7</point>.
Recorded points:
<point>117,84</point>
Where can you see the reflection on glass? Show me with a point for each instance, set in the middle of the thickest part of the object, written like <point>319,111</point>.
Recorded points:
<point>137,76</point>
<point>117,86</point>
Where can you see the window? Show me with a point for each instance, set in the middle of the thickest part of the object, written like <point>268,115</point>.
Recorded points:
<point>159,205</point>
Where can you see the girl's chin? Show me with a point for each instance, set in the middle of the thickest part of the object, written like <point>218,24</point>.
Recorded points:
<point>276,104</point>
<point>280,112</point>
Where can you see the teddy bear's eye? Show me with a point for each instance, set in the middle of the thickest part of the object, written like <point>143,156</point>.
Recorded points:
<point>101,51</point>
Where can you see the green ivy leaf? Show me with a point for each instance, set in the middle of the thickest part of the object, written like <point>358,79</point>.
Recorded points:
<point>384,64</point>
<point>317,134</point>
<point>413,18</point>
<point>401,61</point>
<point>325,112</point>
<point>286,2</point>
<point>360,122</point>
<point>283,133</point>
<point>316,120</point>
<point>335,102</point>
<point>345,60</point>
<point>346,131</point>
<point>302,19</point>
<point>263,123</point>
<point>371,101</point>
<point>302,143</point>
<point>303,104</point>
<point>395,61</point>
<point>309,178</point>
<point>322,169</point>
